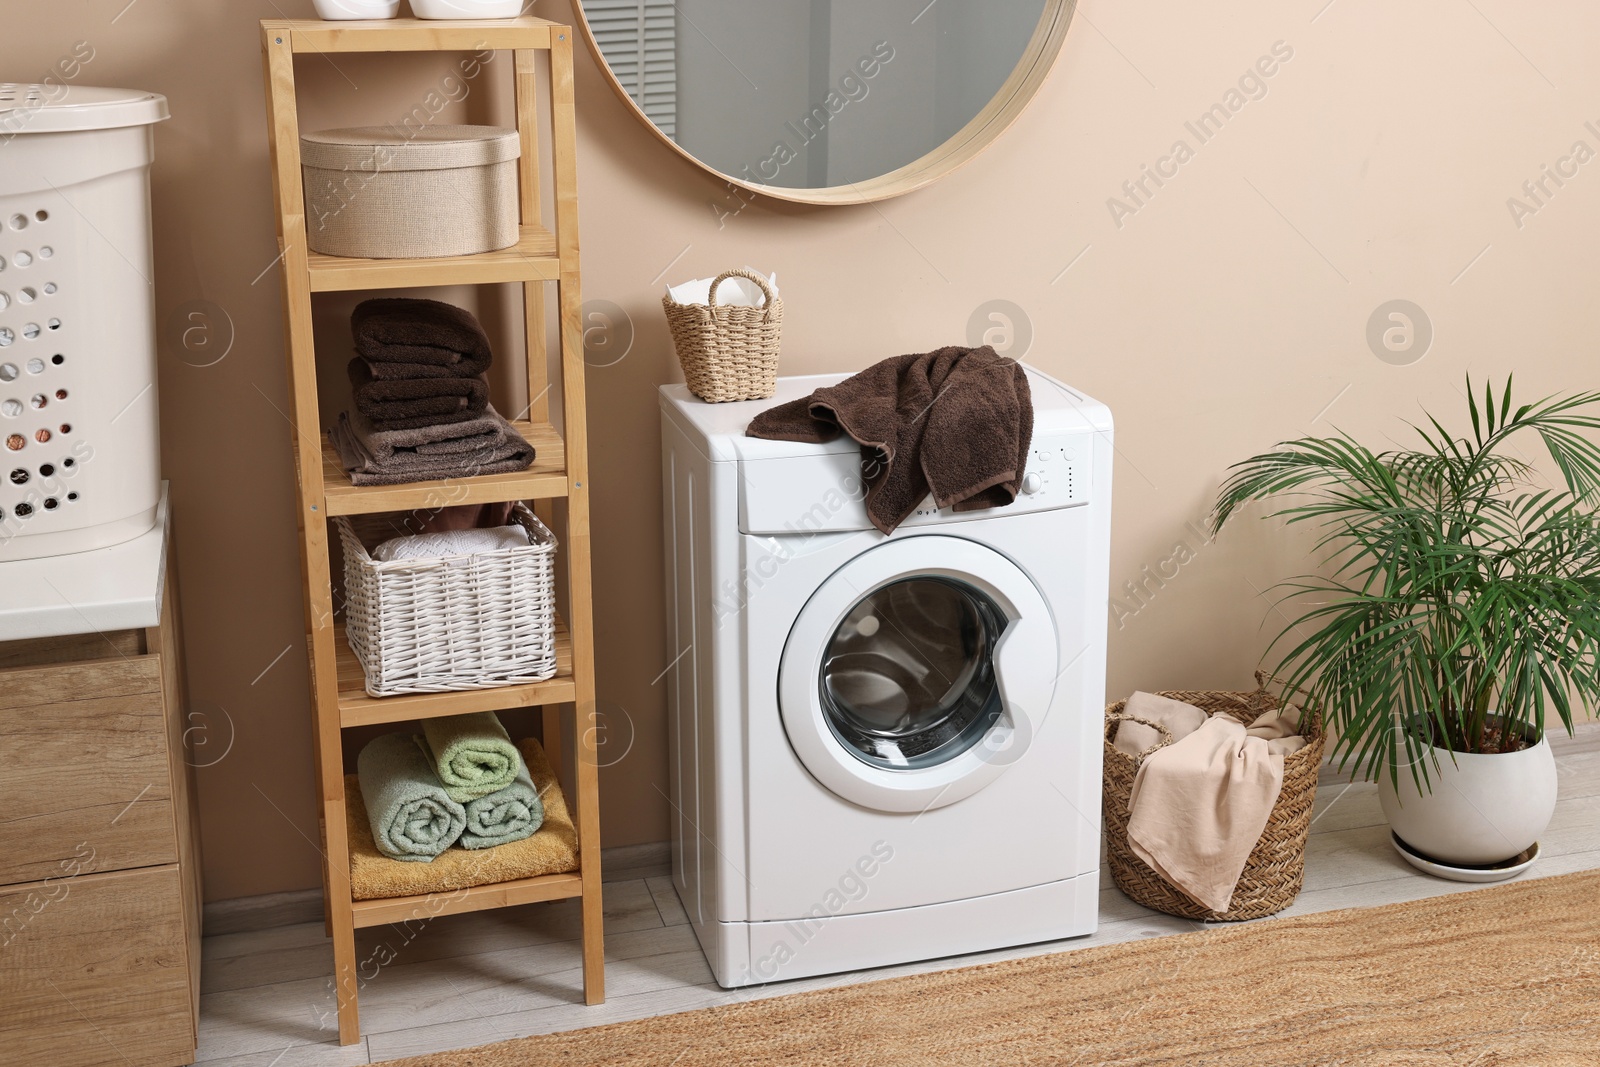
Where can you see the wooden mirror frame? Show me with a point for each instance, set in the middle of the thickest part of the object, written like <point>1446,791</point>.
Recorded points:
<point>1014,96</point>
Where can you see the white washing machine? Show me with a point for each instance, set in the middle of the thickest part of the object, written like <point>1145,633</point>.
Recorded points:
<point>883,749</point>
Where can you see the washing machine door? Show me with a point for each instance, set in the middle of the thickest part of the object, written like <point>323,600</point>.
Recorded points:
<point>918,673</point>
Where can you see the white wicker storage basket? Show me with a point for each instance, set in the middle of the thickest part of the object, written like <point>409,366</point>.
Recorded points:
<point>454,623</point>
<point>391,192</point>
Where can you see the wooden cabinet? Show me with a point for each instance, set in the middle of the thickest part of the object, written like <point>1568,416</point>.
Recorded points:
<point>99,852</point>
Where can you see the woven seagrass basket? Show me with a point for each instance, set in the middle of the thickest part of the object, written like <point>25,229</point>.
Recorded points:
<point>1274,871</point>
<point>728,353</point>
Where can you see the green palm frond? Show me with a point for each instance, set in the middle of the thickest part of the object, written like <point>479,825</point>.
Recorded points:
<point>1454,595</point>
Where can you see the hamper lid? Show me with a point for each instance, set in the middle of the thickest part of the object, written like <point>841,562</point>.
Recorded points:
<point>34,108</point>
<point>394,148</point>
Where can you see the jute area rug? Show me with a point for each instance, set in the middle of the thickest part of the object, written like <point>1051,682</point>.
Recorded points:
<point>1501,976</point>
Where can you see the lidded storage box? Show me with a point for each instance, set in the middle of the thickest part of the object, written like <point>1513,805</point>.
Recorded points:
<point>79,445</point>
<point>394,192</point>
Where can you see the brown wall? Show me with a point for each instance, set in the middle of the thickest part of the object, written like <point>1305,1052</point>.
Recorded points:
<point>1225,314</point>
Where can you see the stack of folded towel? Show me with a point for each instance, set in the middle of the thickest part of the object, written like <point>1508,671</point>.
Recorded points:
<point>422,408</point>
<point>462,782</point>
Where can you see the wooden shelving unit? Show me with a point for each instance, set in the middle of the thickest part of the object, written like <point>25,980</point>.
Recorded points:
<point>560,470</point>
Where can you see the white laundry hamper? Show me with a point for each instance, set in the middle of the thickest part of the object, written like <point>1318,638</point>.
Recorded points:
<point>79,446</point>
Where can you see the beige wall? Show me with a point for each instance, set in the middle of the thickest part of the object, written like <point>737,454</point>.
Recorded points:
<point>1226,313</point>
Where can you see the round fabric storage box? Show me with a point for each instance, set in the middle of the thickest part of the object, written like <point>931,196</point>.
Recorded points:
<point>79,447</point>
<point>399,192</point>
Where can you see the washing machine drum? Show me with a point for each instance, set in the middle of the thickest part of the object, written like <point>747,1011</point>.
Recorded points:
<point>917,673</point>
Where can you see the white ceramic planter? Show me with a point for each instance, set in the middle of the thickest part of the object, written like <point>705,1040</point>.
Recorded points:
<point>343,10</point>
<point>1479,809</point>
<point>467,9</point>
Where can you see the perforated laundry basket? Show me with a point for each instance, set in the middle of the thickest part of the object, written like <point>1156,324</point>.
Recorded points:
<point>79,451</point>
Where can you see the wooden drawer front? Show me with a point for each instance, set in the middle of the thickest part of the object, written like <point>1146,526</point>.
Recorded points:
<point>84,750</point>
<point>94,969</point>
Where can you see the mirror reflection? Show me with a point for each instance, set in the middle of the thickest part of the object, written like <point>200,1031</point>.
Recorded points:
<point>811,94</point>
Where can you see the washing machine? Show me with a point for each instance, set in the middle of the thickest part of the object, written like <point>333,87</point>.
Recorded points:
<point>882,748</point>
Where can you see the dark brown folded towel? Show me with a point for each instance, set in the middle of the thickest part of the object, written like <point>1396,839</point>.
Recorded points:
<point>440,439</point>
<point>409,403</point>
<point>957,422</point>
<point>382,370</point>
<point>374,458</point>
<point>427,332</point>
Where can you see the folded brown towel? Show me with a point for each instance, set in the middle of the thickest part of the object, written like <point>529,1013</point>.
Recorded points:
<point>425,332</point>
<point>442,439</point>
<point>383,370</point>
<point>957,422</point>
<point>409,403</point>
<point>501,452</point>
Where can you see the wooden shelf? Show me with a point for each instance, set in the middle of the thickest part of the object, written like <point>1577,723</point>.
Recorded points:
<point>547,478</point>
<point>358,708</point>
<point>415,35</point>
<point>532,259</point>
<point>478,898</point>
<point>545,256</point>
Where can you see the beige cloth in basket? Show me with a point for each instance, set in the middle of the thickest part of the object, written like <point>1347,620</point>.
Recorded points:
<point>1198,806</point>
<point>553,850</point>
<point>1135,738</point>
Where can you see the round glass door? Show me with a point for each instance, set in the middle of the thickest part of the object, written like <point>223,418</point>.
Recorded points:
<point>911,666</point>
<point>907,680</point>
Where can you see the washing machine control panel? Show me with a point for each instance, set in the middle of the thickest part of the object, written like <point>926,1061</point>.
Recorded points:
<point>1057,476</point>
<point>826,493</point>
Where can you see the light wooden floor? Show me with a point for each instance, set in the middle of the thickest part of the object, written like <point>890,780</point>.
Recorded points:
<point>267,996</point>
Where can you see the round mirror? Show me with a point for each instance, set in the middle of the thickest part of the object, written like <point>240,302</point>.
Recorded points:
<point>827,101</point>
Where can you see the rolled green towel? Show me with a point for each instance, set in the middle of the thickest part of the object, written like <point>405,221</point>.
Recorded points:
<point>412,816</point>
<point>472,754</point>
<point>512,814</point>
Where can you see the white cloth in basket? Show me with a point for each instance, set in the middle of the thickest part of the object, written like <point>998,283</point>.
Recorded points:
<point>452,543</point>
<point>735,292</point>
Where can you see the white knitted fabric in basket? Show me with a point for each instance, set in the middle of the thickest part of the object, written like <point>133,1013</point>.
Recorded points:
<point>451,543</point>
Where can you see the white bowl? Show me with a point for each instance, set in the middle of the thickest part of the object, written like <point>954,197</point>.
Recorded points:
<point>467,9</point>
<point>342,10</point>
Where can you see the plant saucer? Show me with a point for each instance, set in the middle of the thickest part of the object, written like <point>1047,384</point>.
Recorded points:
<point>1488,872</point>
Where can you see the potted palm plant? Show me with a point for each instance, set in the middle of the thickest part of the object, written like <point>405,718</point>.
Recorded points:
<point>1457,605</point>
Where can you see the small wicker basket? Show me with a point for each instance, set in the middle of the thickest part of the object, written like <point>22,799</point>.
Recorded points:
<point>728,353</point>
<point>1275,869</point>
<point>453,623</point>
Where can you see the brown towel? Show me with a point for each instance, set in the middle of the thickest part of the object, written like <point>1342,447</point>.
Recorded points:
<point>383,370</point>
<point>425,332</point>
<point>956,422</point>
<point>409,403</point>
<point>443,439</point>
<point>500,453</point>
